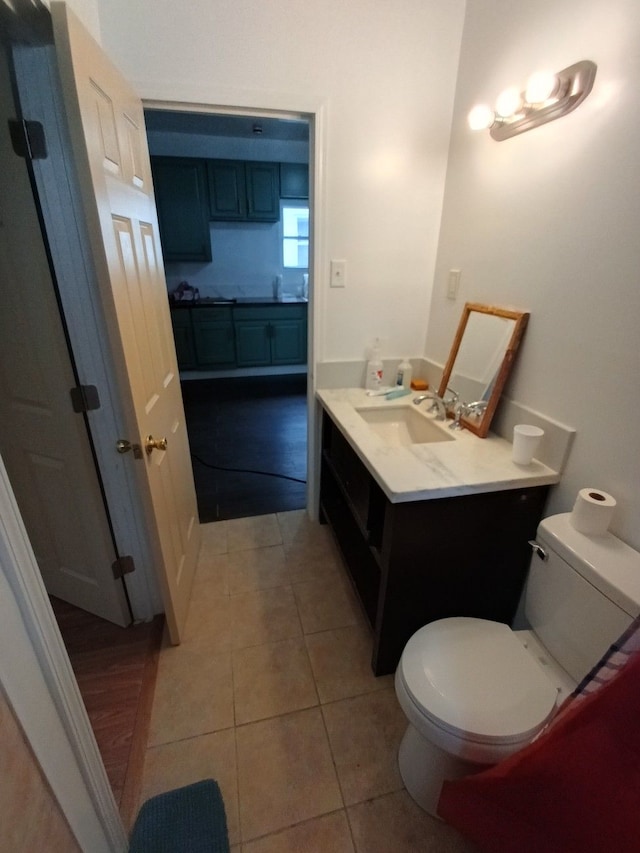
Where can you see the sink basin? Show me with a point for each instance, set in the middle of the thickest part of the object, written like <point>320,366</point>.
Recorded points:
<point>403,425</point>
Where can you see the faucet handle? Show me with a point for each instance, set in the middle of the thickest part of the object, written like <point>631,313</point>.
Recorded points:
<point>478,408</point>
<point>460,408</point>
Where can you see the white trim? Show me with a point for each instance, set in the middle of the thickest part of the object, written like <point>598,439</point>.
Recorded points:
<point>39,683</point>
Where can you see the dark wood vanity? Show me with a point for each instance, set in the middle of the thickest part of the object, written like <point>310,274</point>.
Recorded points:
<point>412,562</point>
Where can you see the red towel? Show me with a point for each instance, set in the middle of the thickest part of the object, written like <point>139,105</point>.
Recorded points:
<point>576,789</point>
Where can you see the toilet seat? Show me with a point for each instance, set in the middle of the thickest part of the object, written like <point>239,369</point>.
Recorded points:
<point>472,679</point>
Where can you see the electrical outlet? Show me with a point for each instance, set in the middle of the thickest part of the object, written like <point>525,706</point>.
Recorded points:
<point>453,284</point>
<point>338,274</point>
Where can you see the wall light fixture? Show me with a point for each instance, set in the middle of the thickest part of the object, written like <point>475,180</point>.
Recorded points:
<point>546,97</point>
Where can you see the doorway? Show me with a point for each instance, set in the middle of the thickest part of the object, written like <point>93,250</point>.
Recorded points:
<point>247,421</point>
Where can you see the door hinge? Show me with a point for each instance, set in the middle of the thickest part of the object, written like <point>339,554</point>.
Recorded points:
<point>28,139</point>
<point>123,566</point>
<point>84,398</point>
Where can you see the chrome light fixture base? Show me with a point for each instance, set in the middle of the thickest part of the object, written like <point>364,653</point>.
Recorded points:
<point>574,84</point>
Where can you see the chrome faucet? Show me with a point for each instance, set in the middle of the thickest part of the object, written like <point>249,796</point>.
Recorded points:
<point>437,405</point>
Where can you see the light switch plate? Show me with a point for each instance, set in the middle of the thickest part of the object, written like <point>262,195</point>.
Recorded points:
<point>453,284</point>
<point>338,274</point>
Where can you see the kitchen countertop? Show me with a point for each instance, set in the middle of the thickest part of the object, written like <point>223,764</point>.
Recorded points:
<point>209,302</point>
<point>468,465</point>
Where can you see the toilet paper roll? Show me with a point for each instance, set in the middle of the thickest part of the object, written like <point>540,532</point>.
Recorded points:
<point>592,511</point>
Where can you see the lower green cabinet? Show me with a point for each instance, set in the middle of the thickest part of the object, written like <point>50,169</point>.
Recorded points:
<point>214,338</point>
<point>288,341</point>
<point>240,336</point>
<point>270,335</point>
<point>183,337</point>
<point>253,347</point>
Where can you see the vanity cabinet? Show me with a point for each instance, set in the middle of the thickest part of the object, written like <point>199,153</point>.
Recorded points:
<point>267,335</point>
<point>417,561</point>
<point>214,337</point>
<point>180,186</point>
<point>243,191</point>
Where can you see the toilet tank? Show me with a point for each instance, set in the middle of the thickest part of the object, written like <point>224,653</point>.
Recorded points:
<point>583,596</point>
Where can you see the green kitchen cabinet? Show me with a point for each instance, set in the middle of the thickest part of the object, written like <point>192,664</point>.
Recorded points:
<point>253,345</point>
<point>227,190</point>
<point>183,337</point>
<point>268,335</point>
<point>243,191</point>
<point>214,337</point>
<point>263,203</point>
<point>288,341</point>
<point>180,185</point>
<point>294,180</point>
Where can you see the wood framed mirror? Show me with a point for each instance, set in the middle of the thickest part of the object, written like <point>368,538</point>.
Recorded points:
<point>481,357</point>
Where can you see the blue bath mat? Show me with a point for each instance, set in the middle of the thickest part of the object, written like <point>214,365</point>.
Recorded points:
<point>187,820</point>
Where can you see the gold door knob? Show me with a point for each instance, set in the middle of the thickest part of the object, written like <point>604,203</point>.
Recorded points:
<point>151,444</point>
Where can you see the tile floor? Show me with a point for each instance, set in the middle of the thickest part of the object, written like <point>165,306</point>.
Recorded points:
<point>272,695</point>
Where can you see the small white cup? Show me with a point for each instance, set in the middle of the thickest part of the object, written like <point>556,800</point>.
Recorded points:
<point>526,439</point>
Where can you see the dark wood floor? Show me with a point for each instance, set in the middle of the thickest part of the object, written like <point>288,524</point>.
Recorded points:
<point>256,424</point>
<point>116,671</point>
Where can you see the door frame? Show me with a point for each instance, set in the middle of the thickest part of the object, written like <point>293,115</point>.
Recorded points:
<point>38,663</point>
<point>40,686</point>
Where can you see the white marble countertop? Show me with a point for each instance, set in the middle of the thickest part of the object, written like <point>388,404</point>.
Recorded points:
<point>465,466</point>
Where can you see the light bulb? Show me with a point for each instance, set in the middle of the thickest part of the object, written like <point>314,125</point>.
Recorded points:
<point>540,87</point>
<point>481,117</point>
<point>508,102</point>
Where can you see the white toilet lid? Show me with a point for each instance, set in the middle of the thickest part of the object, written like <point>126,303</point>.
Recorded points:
<point>475,679</point>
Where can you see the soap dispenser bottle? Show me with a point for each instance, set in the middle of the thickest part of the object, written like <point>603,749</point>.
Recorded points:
<point>373,379</point>
<point>403,374</point>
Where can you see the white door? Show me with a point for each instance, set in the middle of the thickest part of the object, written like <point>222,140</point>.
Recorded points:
<point>44,444</point>
<point>110,148</point>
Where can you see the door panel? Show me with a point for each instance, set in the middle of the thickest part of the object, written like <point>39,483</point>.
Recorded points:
<point>44,444</point>
<point>109,144</point>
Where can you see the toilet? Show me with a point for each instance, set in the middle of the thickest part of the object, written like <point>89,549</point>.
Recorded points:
<point>476,691</point>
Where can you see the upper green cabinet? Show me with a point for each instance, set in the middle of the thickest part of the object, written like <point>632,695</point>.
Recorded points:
<point>243,191</point>
<point>181,199</point>
<point>294,180</point>
<point>227,190</point>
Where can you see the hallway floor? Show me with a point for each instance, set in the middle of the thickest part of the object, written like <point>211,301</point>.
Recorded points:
<point>271,694</point>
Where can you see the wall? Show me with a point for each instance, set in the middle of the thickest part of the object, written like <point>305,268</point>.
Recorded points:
<point>245,256</point>
<point>548,221</point>
<point>384,74</point>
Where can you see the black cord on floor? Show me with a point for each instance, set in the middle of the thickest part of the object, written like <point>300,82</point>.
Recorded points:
<point>245,470</point>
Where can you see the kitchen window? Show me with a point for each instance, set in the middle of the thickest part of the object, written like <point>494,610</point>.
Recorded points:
<point>295,235</point>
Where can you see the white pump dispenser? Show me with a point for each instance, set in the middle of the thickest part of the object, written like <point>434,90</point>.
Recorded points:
<point>373,379</point>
